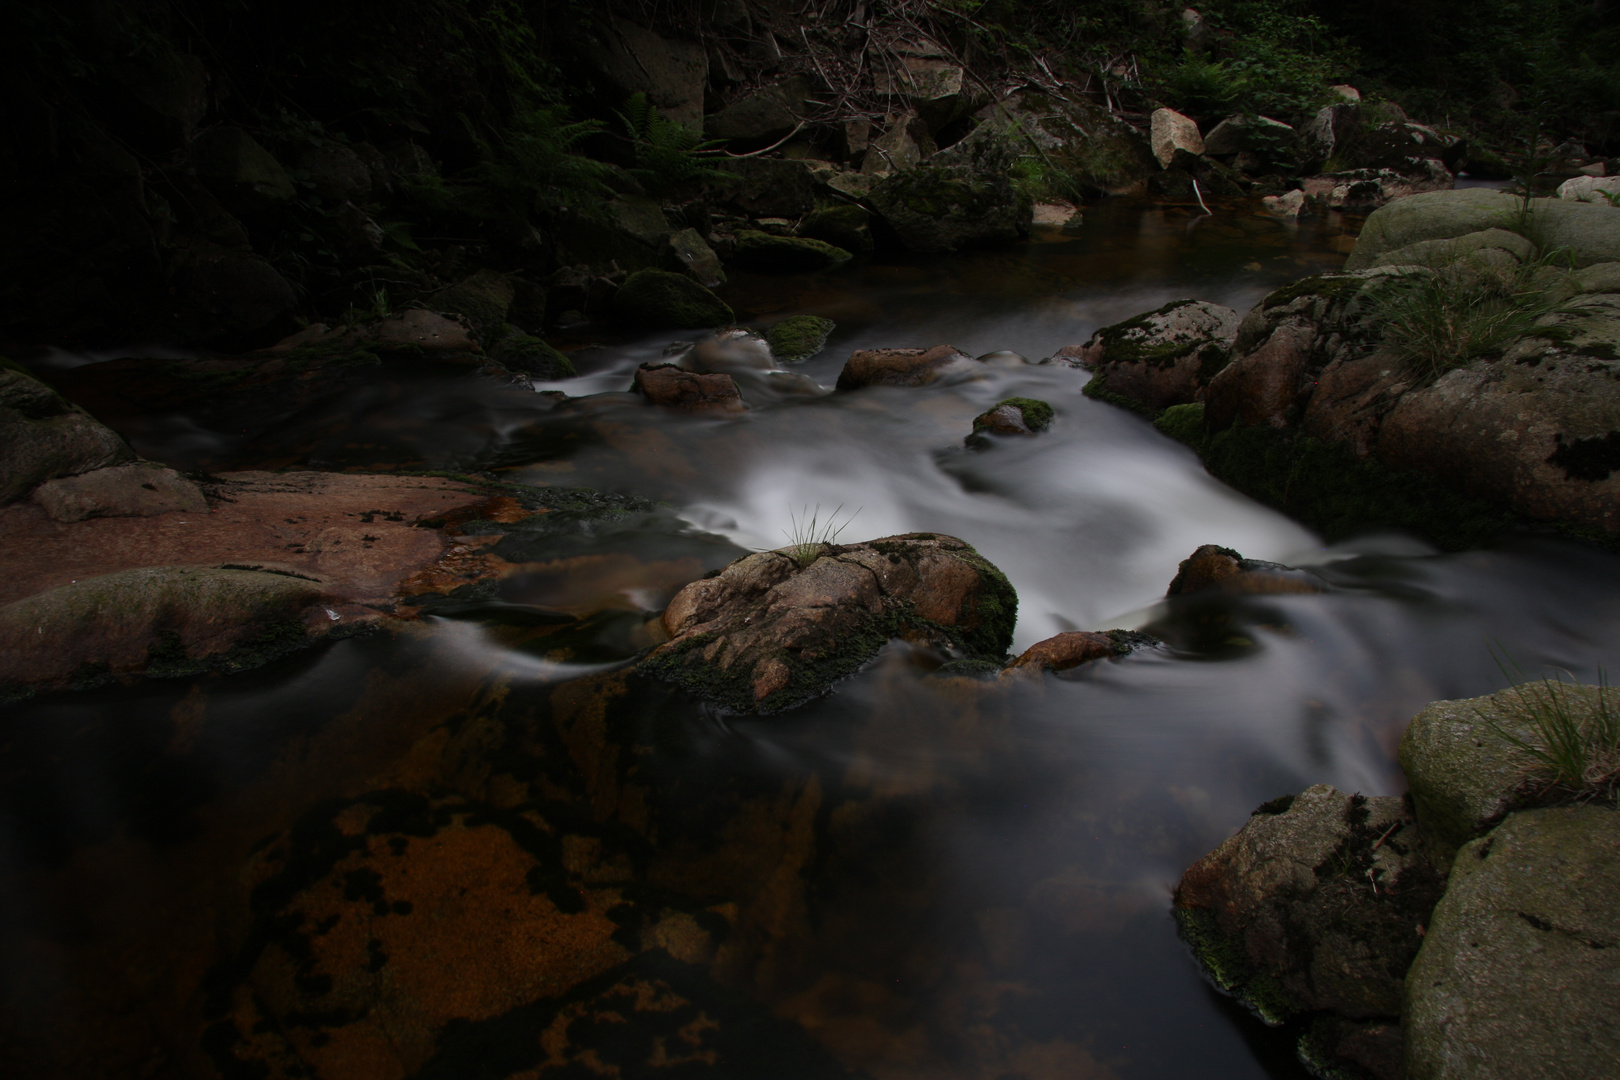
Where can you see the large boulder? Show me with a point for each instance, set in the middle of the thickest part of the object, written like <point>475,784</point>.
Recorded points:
<point>244,175</point>
<point>630,231</point>
<point>1173,133</point>
<point>1315,906</point>
<point>785,254</point>
<point>936,209</point>
<point>1086,146</point>
<point>658,298</point>
<point>1590,232</point>
<point>225,295</point>
<point>134,489</point>
<point>1464,763</point>
<point>762,116</point>
<point>1162,358</point>
<point>1519,974</point>
<point>772,187</point>
<point>775,629</point>
<point>907,367</point>
<point>162,620</point>
<point>1268,139</point>
<point>672,73</point>
<point>43,436</point>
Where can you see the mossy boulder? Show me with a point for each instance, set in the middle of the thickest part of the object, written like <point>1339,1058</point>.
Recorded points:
<point>776,629</point>
<point>936,209</point>
<point>630,231</point>
<point>43,436</point>
<point>1010,416</point>
<point>483,298</point>
<point>532,356</point>
<point>785,254</point>
<point>160,620</point>
<point>1590,232</point>
<point>798,337</point>
<point>658,298</point>
<point>1313,906</point>
<point>1161,358</point>
<point>1520,966</point>
<point>1464,769</point>
<point>846,226</point>
<point>241,173</point>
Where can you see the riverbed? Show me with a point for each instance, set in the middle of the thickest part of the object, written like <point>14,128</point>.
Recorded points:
<point>980,886</point>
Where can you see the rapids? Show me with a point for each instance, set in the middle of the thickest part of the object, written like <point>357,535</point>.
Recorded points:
<point>1010,914</point>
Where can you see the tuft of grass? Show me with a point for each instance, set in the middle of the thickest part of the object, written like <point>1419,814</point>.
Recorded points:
<point>1449,317</point>
<point>809,534</point>
<point>1572,749</point>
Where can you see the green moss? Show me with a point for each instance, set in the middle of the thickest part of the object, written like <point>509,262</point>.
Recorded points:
<point>658,298</point>
<point>1097,387</point>
<point>526,353</point>
<point>1328,286</point>
<point>798,337</point>
<point>1037,414</point>
<point>785,254</point>
<point>1331,490</point>
<point>1223,961</point>
<point>1184,423</point>
<point>845,225</point>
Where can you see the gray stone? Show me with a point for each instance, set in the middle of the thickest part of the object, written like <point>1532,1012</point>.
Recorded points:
<point>1236,134</point>
<point>1591,232</point>
<point>1171,132</point>
<point>671,73</point>
<point>1315,904</point>
<point>903,144</point>
<point>138,489</point>
<point>687,251</point>
<point>244,175</point>
<point>937,209</point>
<point>1464,770</point>
<point>776,629</point>
<point>1437,253</point>
<point>1519,974</point>
<point>43,436</point>
<point>1163,358</point>
<point>763,116</point>
<point>1598,278</point>
<point>1592,189</point>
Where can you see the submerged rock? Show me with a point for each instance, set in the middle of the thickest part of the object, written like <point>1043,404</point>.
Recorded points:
<point>1518,972</point>
<point>1315,905</point>
<point>1075,647</point>
<point>1162,358</point>
<point>776,629</point>
<point>907,367</point>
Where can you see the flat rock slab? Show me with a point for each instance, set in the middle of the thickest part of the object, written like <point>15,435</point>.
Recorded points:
<point>351,533</point>
<point>139,489</point>
<point>1519,975</point>
<point>775,629</point>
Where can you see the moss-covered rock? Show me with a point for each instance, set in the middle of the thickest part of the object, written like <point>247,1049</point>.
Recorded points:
<point>43,436</point>
<point>658,298</point>
<point>1010,416</point>
<point>1314,905</point>
<point>845,225</point>
<point>483,298</point>
<point>775,629</point>
<point>798,337</point>
<point>1183,423</point>
<point>161,620</point>
<point>1518,969</point>
<point>1591,233</point>
<point>940,208</point>
<point>532,356</point>
<point>1160,358</point>
<point>785,254</point>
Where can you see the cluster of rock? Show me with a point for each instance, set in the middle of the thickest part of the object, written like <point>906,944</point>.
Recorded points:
<point>1458,932</point>
<point>1308,403</point>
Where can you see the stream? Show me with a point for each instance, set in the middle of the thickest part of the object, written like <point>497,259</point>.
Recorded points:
<point>1006,910</point>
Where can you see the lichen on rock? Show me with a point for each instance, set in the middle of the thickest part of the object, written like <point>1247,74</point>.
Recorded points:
<point>776,629</point>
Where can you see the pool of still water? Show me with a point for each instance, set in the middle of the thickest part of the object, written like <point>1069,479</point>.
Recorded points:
<point>1012,918</point>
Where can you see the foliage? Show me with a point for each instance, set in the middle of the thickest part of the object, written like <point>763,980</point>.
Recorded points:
<point>809,534</point>
<point>533,160</point>
<point>669,155</point>
<point>1275,59</point>
<point>1573,742</point>
<point>1441,319</point>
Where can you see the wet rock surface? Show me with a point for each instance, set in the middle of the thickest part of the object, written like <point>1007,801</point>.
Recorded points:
<point>140,489</point>
<point>778,628</point>
<point>1316,908</point>
<point>1517,973</point>
<point>1218,569</point>
<point>906,367</point>
<point>688,391</point>
<point>43,436</point>
<point>1076,647</point>
<point>1163,358</point>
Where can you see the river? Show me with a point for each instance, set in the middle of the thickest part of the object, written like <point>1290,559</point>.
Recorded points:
<point>1005,909</point>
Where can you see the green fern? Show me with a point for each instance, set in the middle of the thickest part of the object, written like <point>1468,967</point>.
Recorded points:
<point>669,155</point>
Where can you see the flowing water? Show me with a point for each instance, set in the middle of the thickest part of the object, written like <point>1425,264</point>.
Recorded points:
<point>1004,910</point>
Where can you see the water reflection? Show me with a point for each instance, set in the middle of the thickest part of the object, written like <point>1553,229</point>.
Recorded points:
<point>934,877</point>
